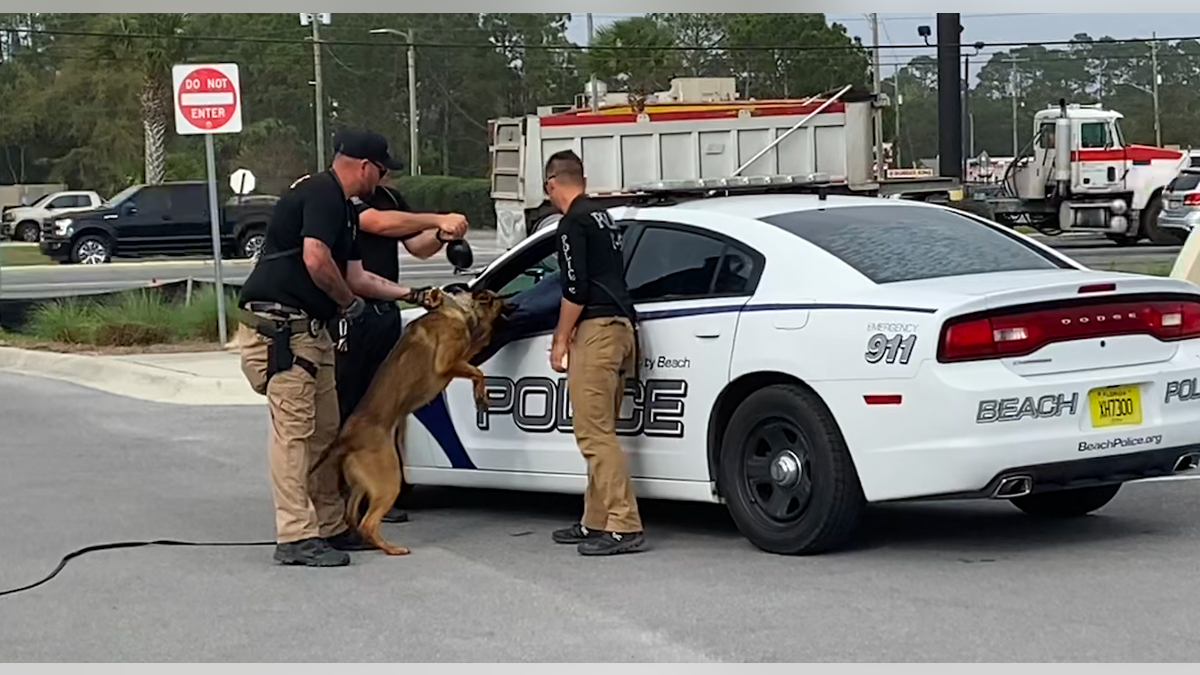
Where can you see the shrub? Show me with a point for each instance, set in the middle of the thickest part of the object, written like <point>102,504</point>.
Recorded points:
<point>199,319</point>
<point>140,317</point>
<point>443,194</point>
<point>134,318</point>
<point>72,320</point>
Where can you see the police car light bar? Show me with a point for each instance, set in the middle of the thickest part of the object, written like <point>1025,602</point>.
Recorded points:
<point>806,182</point>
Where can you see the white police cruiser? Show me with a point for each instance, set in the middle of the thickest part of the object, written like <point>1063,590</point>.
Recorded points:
<point>804,355</point>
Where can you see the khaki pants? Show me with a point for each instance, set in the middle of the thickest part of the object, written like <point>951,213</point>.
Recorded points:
<point>304,422</point>
<point>602,349</point>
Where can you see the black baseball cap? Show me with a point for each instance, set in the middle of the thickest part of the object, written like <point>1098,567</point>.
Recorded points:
<point>361,144</point>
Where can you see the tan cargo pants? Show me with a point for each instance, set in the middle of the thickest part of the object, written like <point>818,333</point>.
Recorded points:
<point>304,422</point>
<point>602,349</point>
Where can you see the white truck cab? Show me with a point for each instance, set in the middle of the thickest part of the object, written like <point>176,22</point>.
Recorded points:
<point>24,223</point>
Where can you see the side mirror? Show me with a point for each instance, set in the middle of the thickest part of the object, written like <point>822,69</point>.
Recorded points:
<point>128,209</point>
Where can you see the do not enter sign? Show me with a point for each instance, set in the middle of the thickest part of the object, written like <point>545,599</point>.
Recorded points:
<point>207,99</point>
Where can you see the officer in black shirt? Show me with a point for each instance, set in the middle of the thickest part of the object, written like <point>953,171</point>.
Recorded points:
<point>386,221</point>
<point>310,274</point>
<point>595,344</point>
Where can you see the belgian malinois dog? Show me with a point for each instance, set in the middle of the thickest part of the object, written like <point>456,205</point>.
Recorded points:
<point>435,349</point>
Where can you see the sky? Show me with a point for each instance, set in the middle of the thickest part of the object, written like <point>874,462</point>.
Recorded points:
<point>986,27</point>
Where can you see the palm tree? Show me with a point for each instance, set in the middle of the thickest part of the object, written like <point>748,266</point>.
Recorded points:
<point>151,44</point>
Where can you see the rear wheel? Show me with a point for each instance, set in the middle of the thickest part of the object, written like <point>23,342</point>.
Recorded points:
<point>251,244</point>
<point>787,475</point>
<point>1067,503</point>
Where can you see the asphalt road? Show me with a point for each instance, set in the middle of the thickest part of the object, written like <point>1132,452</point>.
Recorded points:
<point>945,582</point>
<point>42,281</point>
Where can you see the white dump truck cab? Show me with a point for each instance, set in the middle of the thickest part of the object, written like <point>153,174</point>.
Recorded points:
<point>1086,176</point>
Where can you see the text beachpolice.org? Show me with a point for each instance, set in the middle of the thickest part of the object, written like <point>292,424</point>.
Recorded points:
<point>1127,442</point>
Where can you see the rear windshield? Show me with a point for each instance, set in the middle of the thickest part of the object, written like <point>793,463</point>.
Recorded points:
<point>1184,182</point>
<point>904,243</point>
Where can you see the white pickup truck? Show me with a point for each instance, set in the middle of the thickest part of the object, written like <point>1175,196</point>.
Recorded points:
<point>24,223</point>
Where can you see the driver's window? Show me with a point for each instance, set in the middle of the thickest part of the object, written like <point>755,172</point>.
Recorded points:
<point>531,275</point>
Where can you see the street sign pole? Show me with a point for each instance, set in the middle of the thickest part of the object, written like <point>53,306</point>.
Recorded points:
<point>208,101</point>
<point>215,219</point>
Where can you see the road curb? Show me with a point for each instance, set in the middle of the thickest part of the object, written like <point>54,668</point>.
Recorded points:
<point>126,378</point>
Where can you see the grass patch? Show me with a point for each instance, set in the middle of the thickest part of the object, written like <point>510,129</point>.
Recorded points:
<point>134,318</point>
<point>1156,269</point>
<point>18,256</point>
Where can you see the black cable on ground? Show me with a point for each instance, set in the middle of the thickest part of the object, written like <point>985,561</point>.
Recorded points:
<point>127,544</point>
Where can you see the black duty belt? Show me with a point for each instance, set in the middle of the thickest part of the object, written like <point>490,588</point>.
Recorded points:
<point>382,307</point>
<point>278,323</point>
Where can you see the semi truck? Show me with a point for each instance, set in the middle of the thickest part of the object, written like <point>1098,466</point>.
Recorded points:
<point>1082,176</point>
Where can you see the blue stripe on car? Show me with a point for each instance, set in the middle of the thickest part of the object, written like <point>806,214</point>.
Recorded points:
<point>436,418</point>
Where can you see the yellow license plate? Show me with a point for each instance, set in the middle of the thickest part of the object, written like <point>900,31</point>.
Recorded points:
<point>1115,406</point>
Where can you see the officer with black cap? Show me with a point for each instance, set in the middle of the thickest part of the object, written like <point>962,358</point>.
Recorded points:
<point>309,276</point>
<point>386,221</point>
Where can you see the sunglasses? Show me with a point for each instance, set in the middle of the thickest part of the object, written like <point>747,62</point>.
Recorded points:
<point>382,169</point>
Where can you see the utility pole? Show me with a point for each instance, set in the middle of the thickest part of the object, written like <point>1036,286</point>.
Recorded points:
<point>896,117</point>
<point>877,113</point>
<point>1157,77</point>
<point>950,107</point>
<point>1012,85</point>
<point>413,145</point>
<point>316,19</point>
<point>591,70</point>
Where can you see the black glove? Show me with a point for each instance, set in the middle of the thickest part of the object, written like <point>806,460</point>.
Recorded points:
<point>421,297</point>
<point>355,309</point>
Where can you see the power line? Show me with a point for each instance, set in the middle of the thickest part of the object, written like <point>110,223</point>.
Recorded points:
<point>575,47</point>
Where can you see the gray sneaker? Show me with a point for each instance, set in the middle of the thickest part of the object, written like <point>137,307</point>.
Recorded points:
<point>313,552</point>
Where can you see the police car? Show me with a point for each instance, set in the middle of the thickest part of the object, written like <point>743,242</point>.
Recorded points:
<point>803,355</point>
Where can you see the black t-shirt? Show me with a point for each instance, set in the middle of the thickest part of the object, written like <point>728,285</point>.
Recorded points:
<point>316,207</point>
<point>380,254</point>
<point>590,260</point>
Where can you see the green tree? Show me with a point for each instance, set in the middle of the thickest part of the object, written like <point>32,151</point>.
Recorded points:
<point>152,60</point>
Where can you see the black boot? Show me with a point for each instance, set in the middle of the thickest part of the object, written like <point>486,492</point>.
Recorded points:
<point>349,540</point>
<point>311,552</point>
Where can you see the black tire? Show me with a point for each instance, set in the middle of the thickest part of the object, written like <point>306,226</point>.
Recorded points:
<point>27,231</point>
<point>1150,227</point>
<point>91,249</point>
<point>1067,503</point>
<point>250,243</point>
<point>817,513</point>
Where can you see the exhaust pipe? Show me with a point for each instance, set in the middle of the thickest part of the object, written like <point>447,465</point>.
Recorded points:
<point>1013,486</point>
<point>1187,462</point>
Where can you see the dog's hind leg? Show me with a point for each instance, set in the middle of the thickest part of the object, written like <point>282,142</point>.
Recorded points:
<point>354,507</point>
<point>369,530</point>
<point>379,477</point>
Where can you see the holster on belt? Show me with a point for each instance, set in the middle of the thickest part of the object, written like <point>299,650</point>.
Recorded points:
<point>279,331</point>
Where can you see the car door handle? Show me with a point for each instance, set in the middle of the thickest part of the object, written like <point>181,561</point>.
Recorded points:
<point>707,334</point>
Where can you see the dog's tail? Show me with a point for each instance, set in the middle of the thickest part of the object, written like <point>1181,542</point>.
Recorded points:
<point>335,451</point>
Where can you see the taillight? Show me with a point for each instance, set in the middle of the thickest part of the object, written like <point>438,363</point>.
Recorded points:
<point>1192,199</point>
<point>1019,333</point>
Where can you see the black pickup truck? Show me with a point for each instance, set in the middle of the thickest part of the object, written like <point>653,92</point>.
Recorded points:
<point>163,219</point>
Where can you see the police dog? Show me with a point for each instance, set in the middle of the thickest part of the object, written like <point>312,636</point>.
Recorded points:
<point>434,349</point>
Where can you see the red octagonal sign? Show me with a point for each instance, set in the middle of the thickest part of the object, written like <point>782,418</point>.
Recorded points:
<point>207,99</point>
